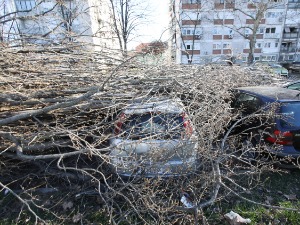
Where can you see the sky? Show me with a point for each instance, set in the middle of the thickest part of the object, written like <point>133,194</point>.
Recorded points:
<point>156,25</point>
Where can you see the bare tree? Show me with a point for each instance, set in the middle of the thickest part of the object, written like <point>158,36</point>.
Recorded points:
<point>59,134</point>
<point>51,22</point>
<point>127,16</point>
<point>255,12</point>
<point>57,116</point>
<point>260,9</point>
<point>187,26</point>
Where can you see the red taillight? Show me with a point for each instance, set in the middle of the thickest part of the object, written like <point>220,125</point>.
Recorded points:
<point>187,125</point>
<point>119,123</point>
<point>281,138</point>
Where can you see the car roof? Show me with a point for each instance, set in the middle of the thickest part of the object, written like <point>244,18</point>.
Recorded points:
<point>274,64</point>
<point>144,105</point>
<point>290,83</point>
<point>272,93</point>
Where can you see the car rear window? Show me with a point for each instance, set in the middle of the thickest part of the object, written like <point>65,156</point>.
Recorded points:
<point>290,115</point>
<point>159,125</point>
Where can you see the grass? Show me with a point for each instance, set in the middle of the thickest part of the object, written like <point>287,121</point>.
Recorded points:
<point>279,189</point>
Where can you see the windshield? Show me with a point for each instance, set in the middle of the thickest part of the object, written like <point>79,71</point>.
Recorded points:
<point>159,125</point>
<point>276,67</point>
<point>290,115</point>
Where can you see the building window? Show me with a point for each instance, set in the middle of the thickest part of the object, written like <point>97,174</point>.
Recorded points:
<point>256,58</point>
<point>25,4</point>
<point>276,44</point>
<point>270,30</point>
<point>217,46</point>
<point>267,45</point>
<point>222,1</point>
<point>260,30</point>
<point>247,32</point>
<point>191,1</point>
<point>188,47</point>
<point>258,45</point>
<point>288,57</point>
<point>226,45</point>
<point>190,31</point>
<point>216,31</point>
<point>268,58</point>
<point>273,14</point>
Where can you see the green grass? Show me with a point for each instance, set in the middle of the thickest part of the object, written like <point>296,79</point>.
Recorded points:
<point>275,187</point>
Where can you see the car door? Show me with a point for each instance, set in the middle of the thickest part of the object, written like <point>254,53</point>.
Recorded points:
<point>245,104</point>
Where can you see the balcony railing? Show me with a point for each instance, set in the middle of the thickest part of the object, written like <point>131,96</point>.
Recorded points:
<point>288,49</point>
<point>272,35</point>
<point>293,5</point>
<point>290,35</point>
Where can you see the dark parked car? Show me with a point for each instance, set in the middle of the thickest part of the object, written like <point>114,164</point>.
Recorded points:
<point>295,67</point>
<point>295,85</point>
<point>281,133</point>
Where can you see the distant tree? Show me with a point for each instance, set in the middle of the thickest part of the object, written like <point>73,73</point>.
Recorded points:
<point>188,35</point>
<point>127,16</point>
<point>254,12</point>
<point>43,22</point>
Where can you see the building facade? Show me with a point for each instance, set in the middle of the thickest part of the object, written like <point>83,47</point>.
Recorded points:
<point>51,22</point>
<point>207,31</point>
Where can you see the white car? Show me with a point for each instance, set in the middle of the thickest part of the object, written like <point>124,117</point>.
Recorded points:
<point>154,137</point>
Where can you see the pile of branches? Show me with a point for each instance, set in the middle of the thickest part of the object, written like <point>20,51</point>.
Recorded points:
<point>57,114</point>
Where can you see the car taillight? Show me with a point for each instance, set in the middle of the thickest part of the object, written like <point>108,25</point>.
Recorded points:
<point>119,123</point>
<point>281,138</point>
<point>187,125</point>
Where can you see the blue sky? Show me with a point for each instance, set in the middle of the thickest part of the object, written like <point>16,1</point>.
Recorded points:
<point>157,24</point>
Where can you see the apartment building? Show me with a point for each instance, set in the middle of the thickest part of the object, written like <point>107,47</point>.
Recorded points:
<point>51,22</point>
<point>212,30</point>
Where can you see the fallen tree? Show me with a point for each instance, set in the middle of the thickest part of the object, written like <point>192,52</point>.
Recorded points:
<point>57,113</point>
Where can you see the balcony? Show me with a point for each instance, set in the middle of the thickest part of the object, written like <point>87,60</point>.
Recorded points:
<point>223,21</point>
<point>226,5</point>
<point>290,35</point>
<point>191,37</point>
<point>217,51</point>
<point>191,52</point>
<point>288,49</point>
<point>191,22</point>
<point>218,21</point>
<point>217,37</point>
<point>227,51</point>
<point>256,50</point>
<point>251,6</point>
<point>259,36</point>
<point>294,4</point>
<point>229,21</point>
<point>272,35</point>
<point>251,21</point>
<point>191,6</point>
